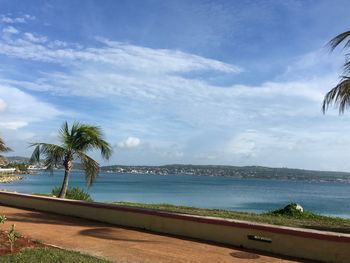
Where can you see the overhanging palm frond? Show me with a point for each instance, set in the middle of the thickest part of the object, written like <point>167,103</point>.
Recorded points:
<point>339,96</point>
<point>89,137</point>
<point>64,134</point>
<point>3,147</point>
<point>54,154</point>
<point>91,168</point>
<point>339,39</point>
<point>346,66</point>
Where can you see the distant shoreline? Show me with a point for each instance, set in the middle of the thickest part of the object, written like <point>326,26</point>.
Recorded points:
<point>9,178</point>
<point>243,172</point>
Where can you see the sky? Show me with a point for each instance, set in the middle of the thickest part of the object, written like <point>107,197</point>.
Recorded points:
<point>189,82</point>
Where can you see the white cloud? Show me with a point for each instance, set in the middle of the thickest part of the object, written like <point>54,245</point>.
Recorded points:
<point>29,17</point>
<point>120,56</point>
<point>57,44</point>
<point>9,19</point>
<point>10,30</point>
<point>244,144</point>
<point>130,142</point>
<point>19,109</point>
<point>35,38</point>
<point>3,105</point>
<point>158,99</point>
<point>13,125</point>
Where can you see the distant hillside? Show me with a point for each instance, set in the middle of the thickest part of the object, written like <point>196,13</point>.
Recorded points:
<point>20,159</point>
<point>233,171</point>
<point>218,170</point>
<point>17,159</point>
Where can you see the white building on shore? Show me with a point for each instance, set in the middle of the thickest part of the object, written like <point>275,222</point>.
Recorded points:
<point>7,170</point>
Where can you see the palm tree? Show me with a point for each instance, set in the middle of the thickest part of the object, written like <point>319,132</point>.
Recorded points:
<point>75,142</point>
<point>340,95</point>
<point>3,148</point>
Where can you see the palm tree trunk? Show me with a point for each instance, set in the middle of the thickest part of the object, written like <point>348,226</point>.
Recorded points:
<point>67,169</point>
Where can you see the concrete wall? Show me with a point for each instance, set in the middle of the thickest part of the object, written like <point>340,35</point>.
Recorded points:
<point>301,243</point>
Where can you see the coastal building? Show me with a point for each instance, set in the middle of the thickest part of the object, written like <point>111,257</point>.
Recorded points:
<point>7,170</point>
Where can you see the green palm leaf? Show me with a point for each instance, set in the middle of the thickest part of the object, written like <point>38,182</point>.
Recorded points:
<point>339,96</point>
<point>76,141</point>
<point>3,147</point>
<point>91,168</point>
<point>336,41</point>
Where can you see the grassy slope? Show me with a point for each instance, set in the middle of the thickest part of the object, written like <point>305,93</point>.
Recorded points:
<point>50,255</point>
<point>306,220</point>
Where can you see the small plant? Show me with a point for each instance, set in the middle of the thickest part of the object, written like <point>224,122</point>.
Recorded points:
<point>293,210</point>
<point>74,193</point>
<point>2,220</point>
<point>12,236</point>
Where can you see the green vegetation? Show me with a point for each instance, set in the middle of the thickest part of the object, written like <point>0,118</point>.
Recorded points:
<point>2,221</point>
<point>12,236</point>
<point>278,217</point>
<point>340,94</point>
<point>3,148</point>
<point>76,141</point>
<point>74,193</point>
<point>49,255</point>
<point>238,172</point>
<point>292,211</point>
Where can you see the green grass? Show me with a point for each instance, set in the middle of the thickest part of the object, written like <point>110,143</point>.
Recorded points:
<point>74,193</point>
<point>49,255</point>
<point>304,220</point>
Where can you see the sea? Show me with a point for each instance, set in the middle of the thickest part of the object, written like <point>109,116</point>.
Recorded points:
<point>249,195</point>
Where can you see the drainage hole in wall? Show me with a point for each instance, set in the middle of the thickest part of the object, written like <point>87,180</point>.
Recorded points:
<point>260,238</point>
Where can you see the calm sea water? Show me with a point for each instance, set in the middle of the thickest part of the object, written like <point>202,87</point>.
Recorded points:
<point>252,195</point>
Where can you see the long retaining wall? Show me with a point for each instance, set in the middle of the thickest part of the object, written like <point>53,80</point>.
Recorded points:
<point>287,241</point>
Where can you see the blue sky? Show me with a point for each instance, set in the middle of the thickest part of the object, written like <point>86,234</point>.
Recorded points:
<point>201,82</point>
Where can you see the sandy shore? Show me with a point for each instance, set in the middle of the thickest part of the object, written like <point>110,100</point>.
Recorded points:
<point>8,178</point>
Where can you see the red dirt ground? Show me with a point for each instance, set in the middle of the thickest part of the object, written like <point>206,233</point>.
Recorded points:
<point>126,245</point>
<point>20,244</point>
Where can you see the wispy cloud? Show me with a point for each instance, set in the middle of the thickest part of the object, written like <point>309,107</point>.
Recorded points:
<point>34,38</point>
<point>10,19</point>
<point>10,30</point>
<point>130,142</point>
<point>166,97</point>
<point>18,109</point>
<point>118,55</point>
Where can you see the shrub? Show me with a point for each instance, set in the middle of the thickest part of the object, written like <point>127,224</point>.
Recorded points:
<point>2,220</point>
<point>12,236</point>
<point>22,167</point>
<point>289,210</point>
<point>74,193</point>
<point>293,211</point>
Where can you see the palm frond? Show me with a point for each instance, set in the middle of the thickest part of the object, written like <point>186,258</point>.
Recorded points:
<point>3,147</point>
<point>346,67</point>
<point>35,157</point>
<point>339,96</point>
<point>91,167</point>
<point>53,154</point>
<point>89,137</point>
<point>64,134</point>
<point>336,41</point>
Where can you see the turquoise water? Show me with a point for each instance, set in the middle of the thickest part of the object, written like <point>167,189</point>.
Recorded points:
<point>252,195</point>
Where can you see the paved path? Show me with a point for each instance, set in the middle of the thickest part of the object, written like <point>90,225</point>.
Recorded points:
<point>123,244</point>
